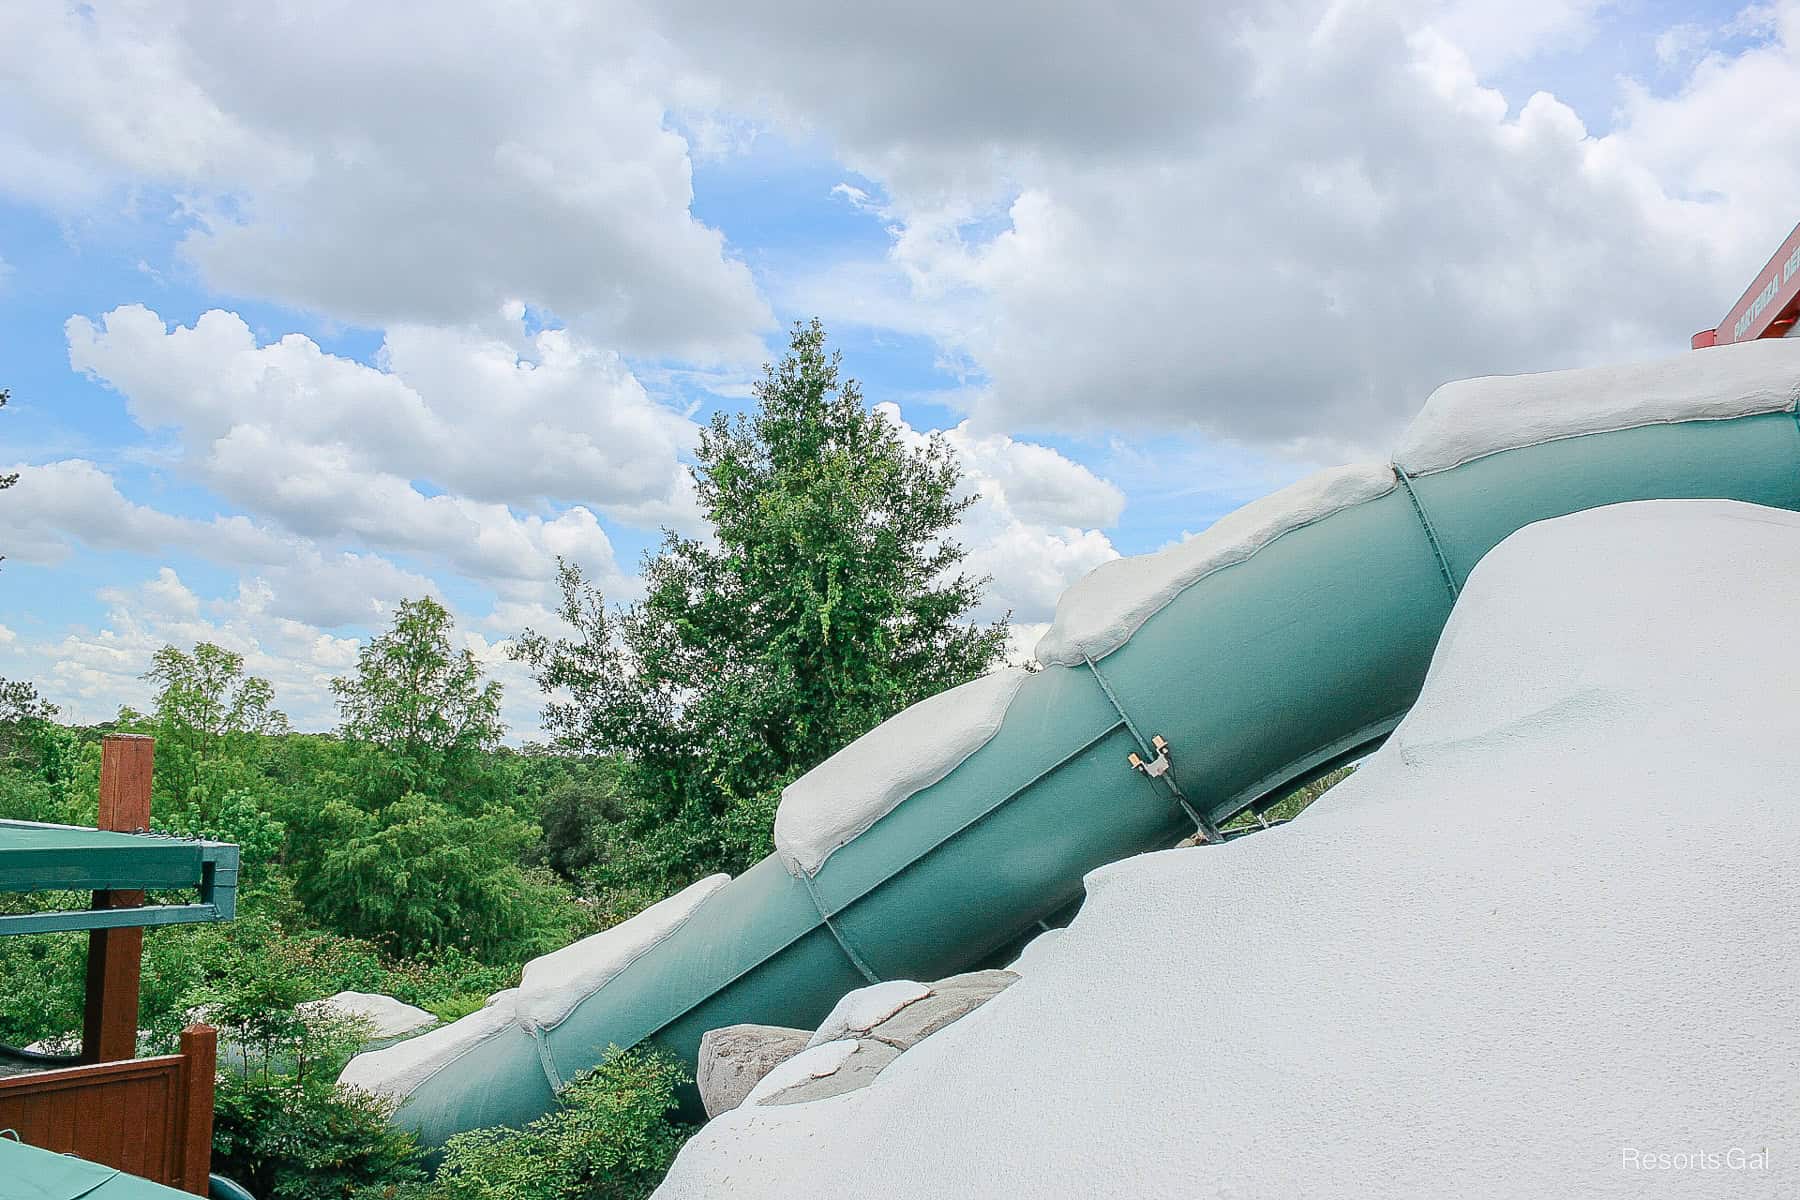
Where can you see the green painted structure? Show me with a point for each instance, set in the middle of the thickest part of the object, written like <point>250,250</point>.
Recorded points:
<point>34,1174</point>
<point>43,858</point>
<point>1260,676</point>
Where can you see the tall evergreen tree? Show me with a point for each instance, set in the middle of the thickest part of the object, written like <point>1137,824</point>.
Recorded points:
<point>827,599</point>
<point>424,708</point>
<point>421,847</point>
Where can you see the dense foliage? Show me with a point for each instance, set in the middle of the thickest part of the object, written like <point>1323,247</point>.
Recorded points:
<point>610,1139</point>
<point>422,845</point>
<point>826,600</point>
<point>282,1127</point>
<point>411,852</point>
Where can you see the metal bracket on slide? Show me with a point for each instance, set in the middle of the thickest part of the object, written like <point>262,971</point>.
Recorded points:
<point>1157,767</point>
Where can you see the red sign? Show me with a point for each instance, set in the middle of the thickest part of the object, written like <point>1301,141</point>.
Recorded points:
<point>1774,290</point>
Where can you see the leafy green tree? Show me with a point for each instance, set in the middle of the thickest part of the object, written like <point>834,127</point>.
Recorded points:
<point>579,814</point>
<point>205,698</point>
<point>827,599</point>
<point>418,846</point>
<point>21,706</point>
<point>41,762</point>
<point>207,707</point>
<point>423,707</point>
<point>212,721</point>
<point>417,876</point>
<point>30,739</point>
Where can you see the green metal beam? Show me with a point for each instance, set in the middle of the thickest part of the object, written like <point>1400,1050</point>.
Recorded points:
<point>144,916</point>
<point>46,858</point>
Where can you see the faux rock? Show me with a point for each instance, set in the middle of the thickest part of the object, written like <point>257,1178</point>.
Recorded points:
<point>734,1059</point>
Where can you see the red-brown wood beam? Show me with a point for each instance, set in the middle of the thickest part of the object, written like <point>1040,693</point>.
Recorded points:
<point>116,956</point>
<point>200,1053</point>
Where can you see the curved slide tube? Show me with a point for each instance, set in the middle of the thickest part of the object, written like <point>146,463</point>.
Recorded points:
<point>1287,639</point>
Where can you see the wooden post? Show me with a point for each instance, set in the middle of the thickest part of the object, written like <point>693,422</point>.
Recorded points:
<point>200,1054</point>
<point>115,956</point>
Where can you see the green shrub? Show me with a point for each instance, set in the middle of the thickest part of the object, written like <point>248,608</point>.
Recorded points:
<point>418,876</point>
<point>42,984</point>
<point>446,980</point>
<point>301,1137</point>
<point>282,1126</point>
<point>612,1138</point>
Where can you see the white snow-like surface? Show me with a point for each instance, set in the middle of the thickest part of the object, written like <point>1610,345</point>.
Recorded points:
<point>814,1062</point>
<point>399,1069</point>
<point>1473,417</point>
<point>1036,950</point>
<point>1551,923</point>
<point>555,983</point>
<point>866,780</point>
<point>1101,610</point>
<point>865,1008</point>
<point>386,1016</point>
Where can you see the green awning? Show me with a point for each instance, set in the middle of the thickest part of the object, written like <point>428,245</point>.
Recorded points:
<point>41,858</point>
<point>34,1174</point>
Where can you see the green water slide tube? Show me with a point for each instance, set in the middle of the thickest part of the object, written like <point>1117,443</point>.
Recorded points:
<point>1289,638</point>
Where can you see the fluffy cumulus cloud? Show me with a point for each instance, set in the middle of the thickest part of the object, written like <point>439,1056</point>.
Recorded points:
<point>1282,224</point>
<point>1730,131</point>
<point>59,504</point>
<point>1037,522</point>
<point>91,671</point>
<point>386,163</point>
<point>426,454</point>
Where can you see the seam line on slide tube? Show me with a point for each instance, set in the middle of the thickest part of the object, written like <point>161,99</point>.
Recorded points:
<point>1208,830</point>
<point>856,960</point>
<point>1430,531</point>
<point>547,1060</point>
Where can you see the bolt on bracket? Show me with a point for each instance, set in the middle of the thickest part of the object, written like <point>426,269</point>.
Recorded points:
<point>1157,767</point>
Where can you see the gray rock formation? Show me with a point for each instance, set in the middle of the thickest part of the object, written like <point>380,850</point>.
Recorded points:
<point>948,1000</point>
<point>906,1025</point>
<point>733,1059</point>
<point>867,1061</point>
<point>386,1018</point>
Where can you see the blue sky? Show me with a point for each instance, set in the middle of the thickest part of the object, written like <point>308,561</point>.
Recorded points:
<point>473,281</point>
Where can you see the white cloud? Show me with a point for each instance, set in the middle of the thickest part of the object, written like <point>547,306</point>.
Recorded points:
<point>429,456</point>
<point>1237,229</point>
<point>1497,33</point>
<point>389,163</point>
<point>91,671</point>
<point>1033,527</point>
<point>1277,224</point>
<point>73,499</point>
<point>1728,134</point>
<point>939,97</point>
<point>331,591</point>
<point>1035,483</point>
<point>500,419</point>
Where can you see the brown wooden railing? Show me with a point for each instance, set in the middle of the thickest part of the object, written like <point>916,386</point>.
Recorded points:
<point>149,1116</point>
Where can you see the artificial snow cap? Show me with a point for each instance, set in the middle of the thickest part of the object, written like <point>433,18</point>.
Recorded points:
<point>907,753</point>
